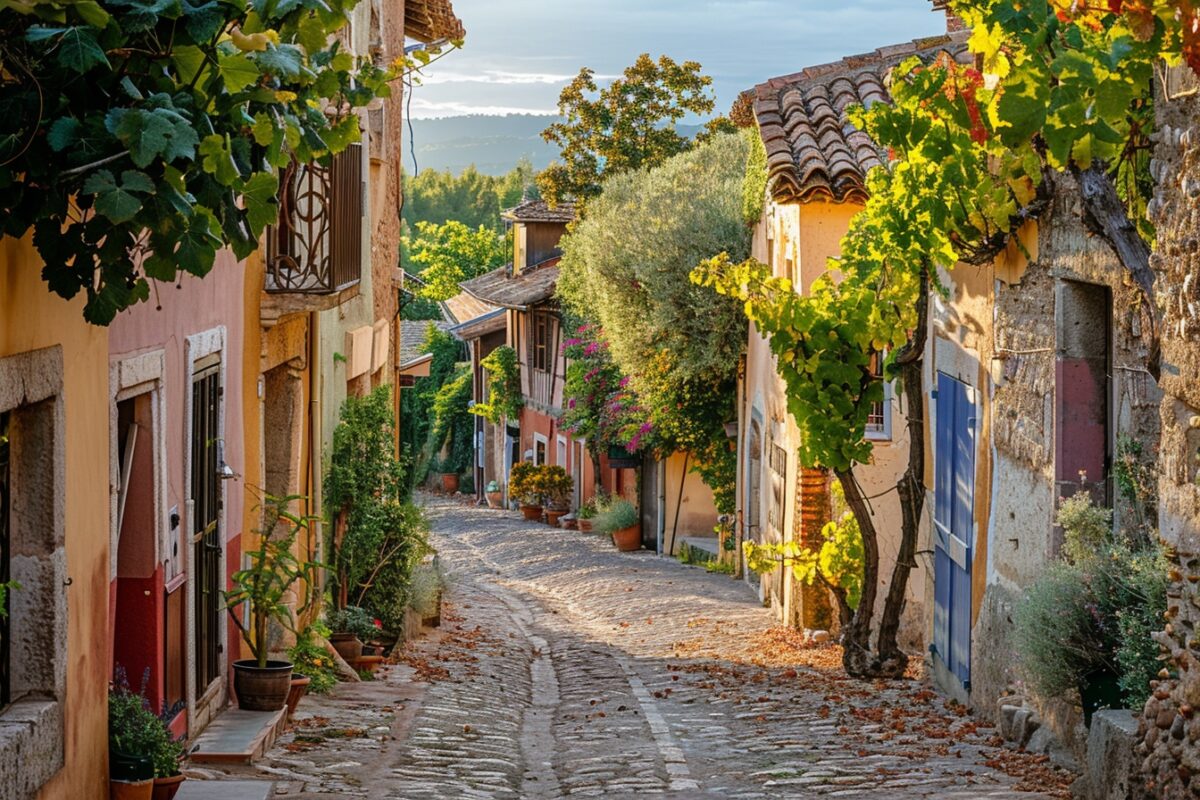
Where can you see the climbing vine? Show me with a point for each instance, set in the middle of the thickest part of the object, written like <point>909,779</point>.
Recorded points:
<point>139,137</point>
<point>505,399</point>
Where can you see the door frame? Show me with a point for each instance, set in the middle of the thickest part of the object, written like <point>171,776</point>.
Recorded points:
<point>202,706</point>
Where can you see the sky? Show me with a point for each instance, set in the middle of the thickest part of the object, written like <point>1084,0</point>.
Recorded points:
<point>520,53</point>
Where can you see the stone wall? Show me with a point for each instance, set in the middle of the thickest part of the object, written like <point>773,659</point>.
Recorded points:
<point>1170,736</point>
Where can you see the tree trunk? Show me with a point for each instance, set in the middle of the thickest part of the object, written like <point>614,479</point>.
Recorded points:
<point>857,657</point>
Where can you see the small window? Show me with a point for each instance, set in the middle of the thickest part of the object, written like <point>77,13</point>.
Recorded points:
<point>539,450</point>
<point>541,338</point>
<point>879,421</point>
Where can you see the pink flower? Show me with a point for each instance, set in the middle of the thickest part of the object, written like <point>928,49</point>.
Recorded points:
<point>624,381</point>
<point>379,623</point>
<point>571,403</point>
<point>591,349</point>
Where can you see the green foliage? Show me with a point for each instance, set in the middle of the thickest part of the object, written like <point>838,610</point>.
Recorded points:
<point>678,344</point>
<point>1093,615</point>
<point>312,660</point>
<point>453,422</point>
<point>352,619</point>
<point>624,127</point>
<point>266,585</point>
<point>524,483</point>
<point>141,138</point>
<point>837,563</point>
<point>600,405</point>
<point>616,514</point>
<point>587,510</point>
<point>135,730</point>
<point>469,198</point>
<point>451,253</point>
<point>1086,527</point>
<point>416,405</point>
<point>1137,480</point>
<point>754,186</point>
<point>376,535</point>
<point>428,581</point>
<point>504,397</point>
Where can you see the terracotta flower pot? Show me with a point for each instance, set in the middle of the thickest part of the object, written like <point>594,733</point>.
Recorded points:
<point>553,516</point>
<point>585,525</point>
<point>165,788</point>
<point>628,539</point>
<point>348,646</point>
<point>369,663</point>
<point>532,513</point>
<point>449,482</point>
<point>262,688</point>
<point>131,790</point>
<point>297,690</point>
<point>494,499</point>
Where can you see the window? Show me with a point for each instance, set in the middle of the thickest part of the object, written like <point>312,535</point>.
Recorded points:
<point>539,449</point>
<point>541,339</point>
<point>879,421</point>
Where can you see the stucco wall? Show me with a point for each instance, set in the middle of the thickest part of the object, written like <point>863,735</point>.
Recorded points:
<point>31,319</point>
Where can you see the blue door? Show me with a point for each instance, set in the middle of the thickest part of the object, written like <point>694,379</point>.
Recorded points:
<point>954,534</point>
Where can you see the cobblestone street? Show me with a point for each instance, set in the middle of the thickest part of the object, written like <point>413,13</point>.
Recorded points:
<point>565,668</point>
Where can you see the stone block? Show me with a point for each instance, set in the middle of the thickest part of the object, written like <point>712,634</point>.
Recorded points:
<point>1111,768</point>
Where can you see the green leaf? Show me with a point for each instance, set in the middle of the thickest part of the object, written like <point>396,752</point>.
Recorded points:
<point>39,33</point>
<point>311,34</point>
<point>263,129</point>
<point>198,245</point>
<point>152,133</point>
<point>218,160</point>
<point>79,51</point>
<point>134,181</point>
<point>188,59</point>
<point>63,133</point>
<point>282,61</point>
<point>202,21</point>
<point>118,203</point>
<point>238,71</point>
<point>91,13</point>
<point>260,198</point>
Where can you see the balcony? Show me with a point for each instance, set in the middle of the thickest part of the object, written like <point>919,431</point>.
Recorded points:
<point>316,248</point>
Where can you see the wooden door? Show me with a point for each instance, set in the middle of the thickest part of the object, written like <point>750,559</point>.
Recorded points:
<point>206,513</point>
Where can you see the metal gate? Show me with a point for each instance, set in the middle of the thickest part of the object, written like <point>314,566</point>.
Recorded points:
<point>206,511</point>
<point>954,535</point>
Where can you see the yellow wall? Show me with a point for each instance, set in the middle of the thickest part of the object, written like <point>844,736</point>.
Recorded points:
<point>32,318</point>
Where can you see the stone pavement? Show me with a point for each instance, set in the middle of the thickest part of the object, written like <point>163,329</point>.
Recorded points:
<point>564,668</point>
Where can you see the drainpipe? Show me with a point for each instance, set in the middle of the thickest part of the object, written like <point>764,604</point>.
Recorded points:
<point>315,384</point>
<point>679,502</point>
<point>662,502</point>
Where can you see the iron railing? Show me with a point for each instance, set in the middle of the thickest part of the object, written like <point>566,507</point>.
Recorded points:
<point>316,247</point>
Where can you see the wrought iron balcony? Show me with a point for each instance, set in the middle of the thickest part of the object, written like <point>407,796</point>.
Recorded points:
<point>316,247</point>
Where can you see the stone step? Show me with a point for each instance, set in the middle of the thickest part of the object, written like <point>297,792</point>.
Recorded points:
<point>237,736</point>
<point>224,790</point>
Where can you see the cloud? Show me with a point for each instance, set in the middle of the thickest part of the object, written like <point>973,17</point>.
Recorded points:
<point>501,77</point>
<point>424,109</point>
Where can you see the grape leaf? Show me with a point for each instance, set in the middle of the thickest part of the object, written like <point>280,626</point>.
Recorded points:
<point>79,51</point>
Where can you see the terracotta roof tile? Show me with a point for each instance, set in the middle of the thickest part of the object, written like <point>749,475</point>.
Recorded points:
<point>501,288</point>
<point>431,20</point>
<point>412,338</point>
<point>812,149</point>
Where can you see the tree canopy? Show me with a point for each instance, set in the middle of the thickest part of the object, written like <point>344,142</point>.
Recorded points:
<point>139,138</point>
<point>628,125</point>
<point>451,253</point>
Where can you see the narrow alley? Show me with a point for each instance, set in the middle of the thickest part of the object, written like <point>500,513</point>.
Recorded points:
<point>565,668</point>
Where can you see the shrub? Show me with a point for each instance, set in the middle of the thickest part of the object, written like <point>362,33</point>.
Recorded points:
<point>616,515</point>
<point>353,619</point>
<point>427,584</point>
<point>524,483</point>
<point>505,399</point>
<point>135,730</point>
<point>312,660</point>
<point>1086,527</point>
<point>556,486</point>
<point>587,510</point>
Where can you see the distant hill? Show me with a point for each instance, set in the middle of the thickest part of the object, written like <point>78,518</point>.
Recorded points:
<point>493,144</point>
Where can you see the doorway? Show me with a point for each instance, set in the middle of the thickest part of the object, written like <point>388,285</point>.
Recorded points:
<point>206,514</point>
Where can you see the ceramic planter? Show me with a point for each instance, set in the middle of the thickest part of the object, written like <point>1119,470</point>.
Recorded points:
<point>369,663</point>
<point>628,539</point>
<point>165,788</point>
<point>262,688</point>
<point>494,499</point>
<point>130,777</point>
<point>553,516</point>
<point>348,646</point>
<point>297,690</point>
<point>131,790</point>
<point>585,525</point>
<point>449,482</point>
<point>531,513</point>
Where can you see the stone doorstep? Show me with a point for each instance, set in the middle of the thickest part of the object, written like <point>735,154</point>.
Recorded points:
<point>224,790</point>
<point>704,544</point>
<point>237,736</point>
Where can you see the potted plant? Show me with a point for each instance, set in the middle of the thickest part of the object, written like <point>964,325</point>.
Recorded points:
<point>620,520</point>
<point>493,494</point>
<point>143,759</point>
<point>262,683</point>
<point>352,627</point>
<point>524,484</point>
<point>556,491</point>
<point>312,666</point>
<point>586,515</point>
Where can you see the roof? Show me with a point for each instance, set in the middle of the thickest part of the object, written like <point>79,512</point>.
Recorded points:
<point>540,211</point>
<point>412,338</point>
<point>501,288</point>
<point>431,20</point>
<point>481,326</point>
<point>812,149</point>
<point>464,308</point>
